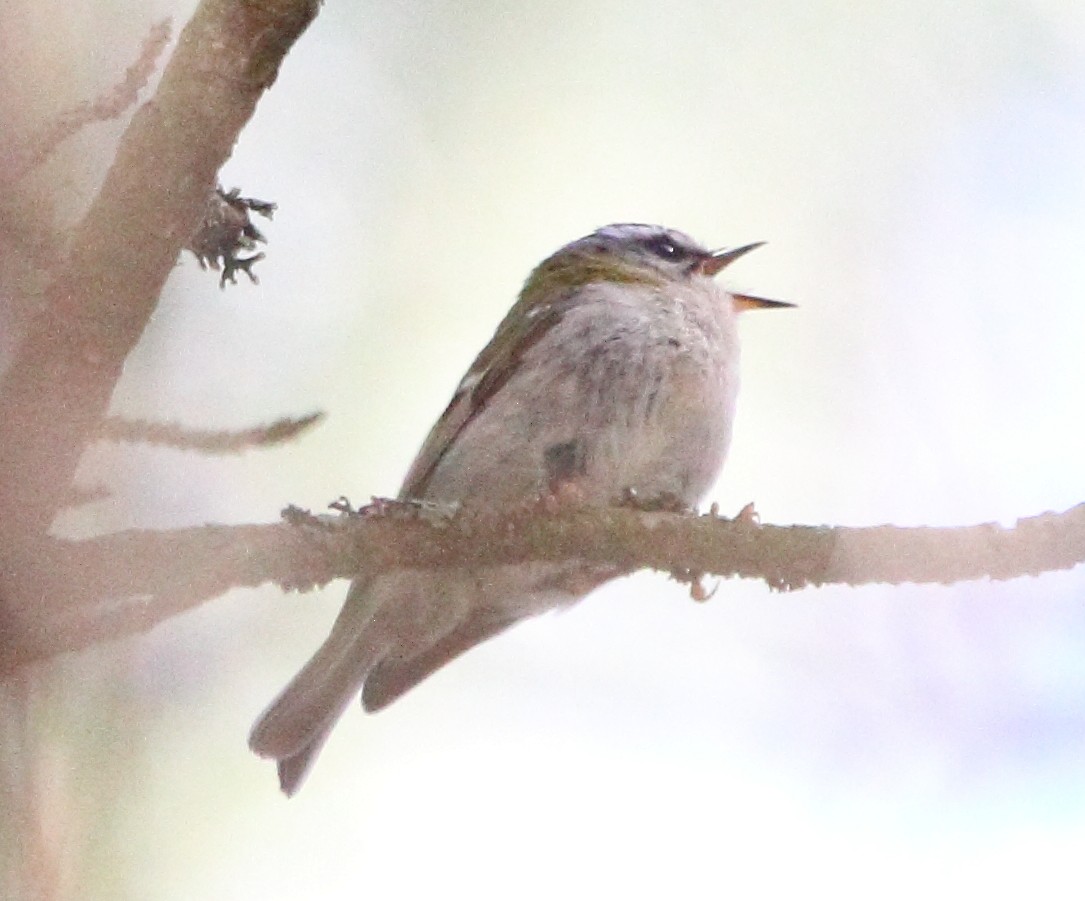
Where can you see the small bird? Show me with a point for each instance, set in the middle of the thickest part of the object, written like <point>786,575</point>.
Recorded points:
<point>615,371</point>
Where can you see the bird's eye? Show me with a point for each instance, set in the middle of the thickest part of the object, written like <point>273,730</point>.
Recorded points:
<point>666,249</point>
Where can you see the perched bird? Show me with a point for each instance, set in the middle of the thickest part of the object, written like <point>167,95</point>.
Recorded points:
<point>616,370</point>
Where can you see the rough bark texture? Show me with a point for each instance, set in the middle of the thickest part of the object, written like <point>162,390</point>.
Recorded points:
<point>57,389</point>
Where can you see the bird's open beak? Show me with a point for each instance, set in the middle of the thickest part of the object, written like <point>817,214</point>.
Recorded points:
<point>745,302</point>
<point>721,259</point>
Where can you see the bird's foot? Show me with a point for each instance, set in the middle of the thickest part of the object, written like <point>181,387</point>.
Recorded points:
<point>565,494</point>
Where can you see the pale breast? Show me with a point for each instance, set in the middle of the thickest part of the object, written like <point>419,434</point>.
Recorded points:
<point>627,391</point>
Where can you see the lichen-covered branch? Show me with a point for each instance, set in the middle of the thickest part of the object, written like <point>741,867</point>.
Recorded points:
<point>226,231</point>
<point>130,581</point>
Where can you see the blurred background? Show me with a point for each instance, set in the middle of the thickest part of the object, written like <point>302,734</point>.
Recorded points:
<point>916,169</point>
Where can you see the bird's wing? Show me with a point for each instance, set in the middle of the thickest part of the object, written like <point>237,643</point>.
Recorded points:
<point>492,369</point>
<point>390,678</point>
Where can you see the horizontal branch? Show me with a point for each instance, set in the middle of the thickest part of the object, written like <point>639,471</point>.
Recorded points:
<point>150,576</point>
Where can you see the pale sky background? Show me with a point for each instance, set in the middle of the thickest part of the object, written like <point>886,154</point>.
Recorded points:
<point>917,171</point>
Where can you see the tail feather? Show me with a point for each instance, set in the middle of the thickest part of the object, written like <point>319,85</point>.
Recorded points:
<point>395,629</point>
<point>308,707</point>
<point>393,676</point>
<point>294,727</point>
<point>294,769</point>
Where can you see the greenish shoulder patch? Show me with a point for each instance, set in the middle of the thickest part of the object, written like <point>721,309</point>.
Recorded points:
<point>556,275</point>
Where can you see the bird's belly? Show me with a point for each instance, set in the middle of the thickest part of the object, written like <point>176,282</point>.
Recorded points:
<point>669,441</point>
<point>673,448</point>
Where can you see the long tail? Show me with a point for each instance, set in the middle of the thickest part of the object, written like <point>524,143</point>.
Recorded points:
<point>294,727</point>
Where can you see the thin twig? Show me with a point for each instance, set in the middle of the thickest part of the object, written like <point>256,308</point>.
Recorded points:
<point>208,441</point>
<point>110,105</point>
